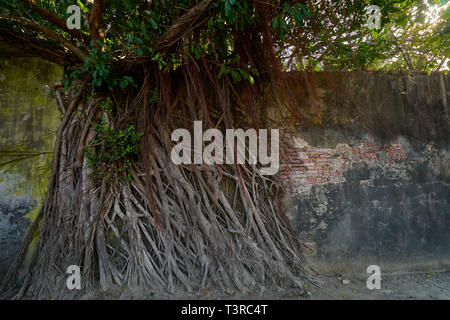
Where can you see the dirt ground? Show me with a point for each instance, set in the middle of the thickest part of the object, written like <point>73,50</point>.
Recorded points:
<point>411,286</point>
<point>406,286</point>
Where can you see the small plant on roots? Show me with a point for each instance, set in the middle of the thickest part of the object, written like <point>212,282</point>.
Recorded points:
<point>110,154</point>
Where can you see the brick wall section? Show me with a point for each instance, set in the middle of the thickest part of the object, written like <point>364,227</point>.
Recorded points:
<point>302,165</point>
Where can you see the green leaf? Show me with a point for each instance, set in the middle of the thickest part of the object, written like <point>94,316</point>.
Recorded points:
<point>275,23</point>
<point>298,15</point>
<point>235,75</point>
<point>223,70</point>
<point>245,75</point>
<point>227,8</point>
<point>153,23</point>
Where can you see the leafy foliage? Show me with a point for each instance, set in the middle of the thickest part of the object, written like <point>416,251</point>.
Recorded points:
<point>308,35</point>
<point>422,41</point>
<point>110,154</point>
<point>336,38</point>
<point>117,148</point>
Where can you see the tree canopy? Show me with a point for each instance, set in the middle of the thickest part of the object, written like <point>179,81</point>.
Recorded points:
<point>239,36</point>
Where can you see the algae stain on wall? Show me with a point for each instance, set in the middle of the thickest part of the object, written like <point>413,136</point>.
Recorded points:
<point>29,119</point>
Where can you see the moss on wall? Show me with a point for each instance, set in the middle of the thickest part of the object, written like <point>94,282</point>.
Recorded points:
<point>29,118</point>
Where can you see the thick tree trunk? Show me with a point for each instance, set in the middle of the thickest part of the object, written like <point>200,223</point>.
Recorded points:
<point>169,227</point>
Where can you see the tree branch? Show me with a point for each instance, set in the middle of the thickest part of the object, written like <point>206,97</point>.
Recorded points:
<point>39,48</point>
<point>55,20</point>
<point>95,20</point>
<point>406,57</point>
<point>441,64</point>
<point>181,26</point>
<point>81,54</point>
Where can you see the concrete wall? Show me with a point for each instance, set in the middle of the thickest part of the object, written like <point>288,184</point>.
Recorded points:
<point>370,184</point>
<point>28,122</point>
<point>367,174</point>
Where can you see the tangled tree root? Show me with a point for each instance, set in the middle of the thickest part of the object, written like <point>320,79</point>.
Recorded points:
<point>169,227</point>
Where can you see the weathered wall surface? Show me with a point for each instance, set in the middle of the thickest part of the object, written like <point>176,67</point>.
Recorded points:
<point>28,122</point>
<point>370,185</point>
<point>368,179</point>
